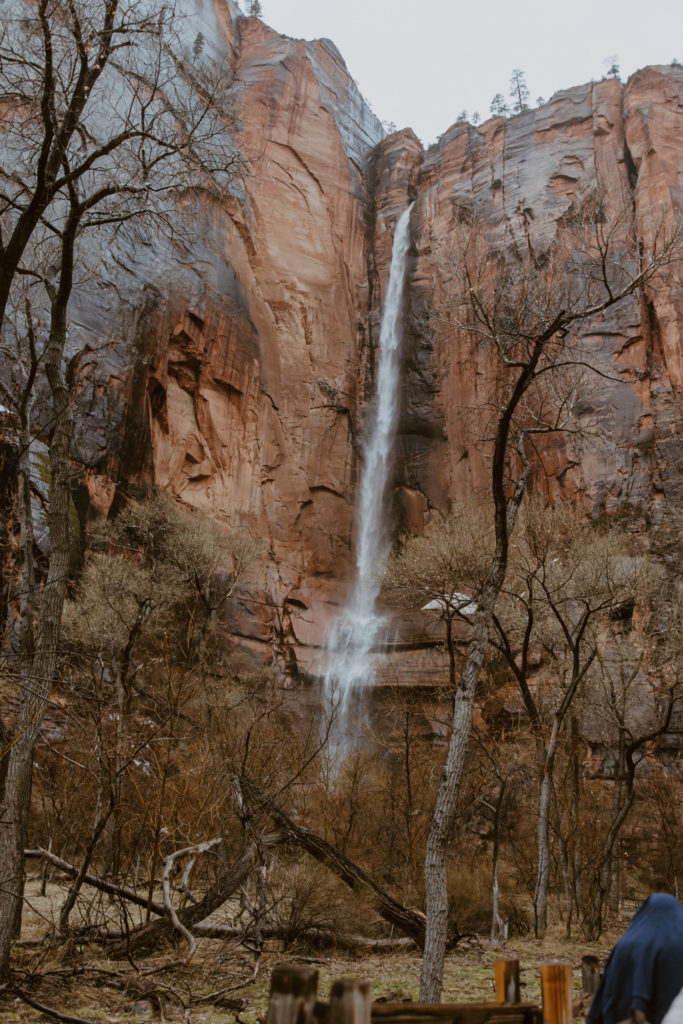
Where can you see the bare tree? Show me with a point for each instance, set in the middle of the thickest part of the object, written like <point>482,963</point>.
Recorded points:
<point>97,99</point>
<point>501,766</point>
<point>635,702</point>
<point>566,581</point>
<point>103,125</point>
<point>520,305</point>
<point>162,571</point>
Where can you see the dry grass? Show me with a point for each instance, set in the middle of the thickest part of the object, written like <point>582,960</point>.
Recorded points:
<point>78,980</point>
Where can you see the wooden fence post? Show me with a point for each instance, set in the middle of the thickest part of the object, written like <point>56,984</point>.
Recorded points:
<point>590,973</point>
<point>556,984</point>
<point>506,975</point>
<point>292,995</point>
<point>350,1002</point>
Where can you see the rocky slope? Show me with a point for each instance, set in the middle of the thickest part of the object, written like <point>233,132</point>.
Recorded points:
<point>239,378</point>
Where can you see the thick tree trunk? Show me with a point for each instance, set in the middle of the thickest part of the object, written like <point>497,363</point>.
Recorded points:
<point>543,832</point>
<point>443,818</point>
<point>441,827</point>
<point>450,646</point>
<point>39,681</point>
<point>27,589</point>
<point>16,796</point>
<point>543,854</point>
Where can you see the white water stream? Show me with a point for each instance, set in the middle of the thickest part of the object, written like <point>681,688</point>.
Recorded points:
<point>356,633</point>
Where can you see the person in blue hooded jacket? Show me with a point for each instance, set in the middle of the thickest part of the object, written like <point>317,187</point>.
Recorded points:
<point>644,972</point>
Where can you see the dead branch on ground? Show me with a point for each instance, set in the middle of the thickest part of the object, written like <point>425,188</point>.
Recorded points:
<point>410,922</point>
<point>166,885</point>
<point>231,876</point>
<point>49,1011</point>
<point>122,891</point>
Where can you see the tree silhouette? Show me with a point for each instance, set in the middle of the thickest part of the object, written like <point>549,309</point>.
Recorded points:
<point>499,107</point>
<point>519,91</point>
<point>612,65</point>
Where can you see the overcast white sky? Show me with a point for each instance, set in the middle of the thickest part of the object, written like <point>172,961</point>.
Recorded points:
<point>420,63</point>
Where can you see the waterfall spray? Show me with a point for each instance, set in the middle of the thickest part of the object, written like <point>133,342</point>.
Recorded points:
<point>356,632</point>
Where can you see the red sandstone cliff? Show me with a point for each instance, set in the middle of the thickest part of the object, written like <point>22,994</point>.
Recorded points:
<point>235,389</point>
<point>239,382</point>
<point>622,138</point>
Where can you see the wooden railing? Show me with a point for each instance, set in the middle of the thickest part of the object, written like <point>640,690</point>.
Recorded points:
<point>293,1000</point>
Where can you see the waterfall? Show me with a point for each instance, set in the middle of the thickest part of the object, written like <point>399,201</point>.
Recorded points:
<point>356,632</point>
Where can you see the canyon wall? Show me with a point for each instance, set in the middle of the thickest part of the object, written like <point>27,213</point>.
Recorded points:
<point>238,378</point>
<point>523,174</point>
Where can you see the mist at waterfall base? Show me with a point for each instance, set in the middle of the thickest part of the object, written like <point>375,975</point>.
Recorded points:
<point>358,631</point>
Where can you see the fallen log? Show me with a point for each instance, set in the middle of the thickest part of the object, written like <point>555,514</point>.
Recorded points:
<point>122,891</point>
<point>319,936</point>
<point>192,918</point>
<point>164,928</point>
<point>410,922</point>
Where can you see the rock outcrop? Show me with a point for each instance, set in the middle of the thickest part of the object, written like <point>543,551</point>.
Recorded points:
<point>239,379</point>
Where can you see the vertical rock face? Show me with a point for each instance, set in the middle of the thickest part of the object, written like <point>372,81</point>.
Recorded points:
<point>239,381</point>
<point>525,172</point>
<point>296,247</point>
<point>236,387</point>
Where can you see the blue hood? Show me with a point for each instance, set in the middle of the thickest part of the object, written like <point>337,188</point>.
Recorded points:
<point>645,968</point>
